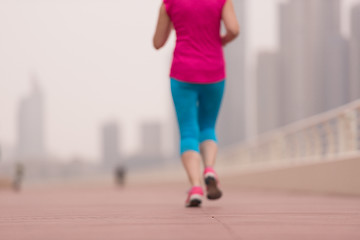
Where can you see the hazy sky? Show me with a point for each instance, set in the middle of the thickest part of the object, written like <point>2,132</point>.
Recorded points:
<point>95,62</point>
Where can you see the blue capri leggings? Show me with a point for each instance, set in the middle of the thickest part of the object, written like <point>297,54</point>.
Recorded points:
<point>197,107</point>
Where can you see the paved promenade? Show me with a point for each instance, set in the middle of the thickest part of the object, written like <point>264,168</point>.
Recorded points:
<point>156,212</point>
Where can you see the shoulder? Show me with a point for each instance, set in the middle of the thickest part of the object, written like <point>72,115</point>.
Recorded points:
<point>167,4</point>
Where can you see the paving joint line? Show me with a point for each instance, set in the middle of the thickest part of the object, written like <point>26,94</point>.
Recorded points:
<point>227,228</point>
<point>233,235</point>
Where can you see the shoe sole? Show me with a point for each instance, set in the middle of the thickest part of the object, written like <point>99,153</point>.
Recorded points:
<point>194,203</point>
<point>213,192</point>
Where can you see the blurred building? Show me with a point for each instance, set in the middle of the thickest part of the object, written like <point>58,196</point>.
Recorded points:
<point>333,56</point>
<point>151,139</point>
<point>151,152</point>
<point>292,61</point>
<point>231,124</point>
<point>312,59</point>
<point>310,72</point>
<point>31,129</point>
<point>174,138</point>
<point>355,53</point>
<point>110,144</point>
<point>268,91</point>
<point>170,135</point>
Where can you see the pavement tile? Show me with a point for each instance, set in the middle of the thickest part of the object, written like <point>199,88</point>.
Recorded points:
<point>295,232</point>
<point>158,212</point>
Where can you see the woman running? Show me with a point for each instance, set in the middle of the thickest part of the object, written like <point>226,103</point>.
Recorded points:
<point>197,81</point>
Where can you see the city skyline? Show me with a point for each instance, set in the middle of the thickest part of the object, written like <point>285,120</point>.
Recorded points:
<point>82,90</point>
<point>315,68</point>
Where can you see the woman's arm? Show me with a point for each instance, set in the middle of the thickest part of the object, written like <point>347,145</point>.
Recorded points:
<point>163,28</point>
<point>230,22</point>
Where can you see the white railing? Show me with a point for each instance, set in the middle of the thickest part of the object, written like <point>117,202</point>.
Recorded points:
<point>330,135</point>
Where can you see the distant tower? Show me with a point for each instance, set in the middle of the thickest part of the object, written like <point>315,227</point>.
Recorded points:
<point>313,70</point>
<point>355,54</point>
<point>110,144</point>
<point>335,69</point>
<point>151,139</point>
<point>292,59</point>
<point>171,137</point>
<point>231,124</point>
<point>267,91</point>
<point>31,133</point>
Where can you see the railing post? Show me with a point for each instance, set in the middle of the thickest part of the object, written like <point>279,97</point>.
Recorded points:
<point>351,130</point>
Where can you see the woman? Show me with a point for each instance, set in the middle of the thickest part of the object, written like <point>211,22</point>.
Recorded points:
<point>197,81</point>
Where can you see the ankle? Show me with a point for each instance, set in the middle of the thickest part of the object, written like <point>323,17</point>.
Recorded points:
<point>196,184</point>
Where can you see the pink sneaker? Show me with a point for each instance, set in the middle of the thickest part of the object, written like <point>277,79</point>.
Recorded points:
<point>194,197</point>
<point>212,184</point>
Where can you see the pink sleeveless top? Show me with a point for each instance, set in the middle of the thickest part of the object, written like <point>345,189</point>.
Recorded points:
<point>198,55</point>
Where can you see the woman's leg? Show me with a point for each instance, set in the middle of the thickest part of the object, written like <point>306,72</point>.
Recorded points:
<point>209,105</point>
<point>208,149</point>
<point>185,97</point>
<point>192,164</point>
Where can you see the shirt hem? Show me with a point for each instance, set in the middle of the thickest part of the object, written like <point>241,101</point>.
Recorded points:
<point>195,82</point>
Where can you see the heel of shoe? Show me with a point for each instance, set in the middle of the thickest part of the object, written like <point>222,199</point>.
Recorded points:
<point>195,196</point>
<point>213,192</point>
<point>194,203</point>
<point>195,200</point>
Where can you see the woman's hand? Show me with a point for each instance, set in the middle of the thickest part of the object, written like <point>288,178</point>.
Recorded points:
<point>230,22</point>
